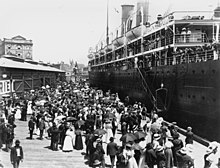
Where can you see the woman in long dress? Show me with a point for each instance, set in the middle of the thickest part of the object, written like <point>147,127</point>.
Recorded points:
<point>69,140</point>
<point>78,140</point>
<point>108,129</point>
<point>129,157</point>
<point>29,109</point>
<point>18,112</point>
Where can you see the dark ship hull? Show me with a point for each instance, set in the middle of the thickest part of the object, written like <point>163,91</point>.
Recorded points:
<point>192,92</point>
<point>170,65</point>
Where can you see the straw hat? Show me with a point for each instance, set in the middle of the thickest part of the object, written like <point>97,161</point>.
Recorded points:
<point>96,163</point>
<point>212,145</point>
<point>128,145</point>
<point>159,148</point>
<point>183,150</point>
<point>156,137</point>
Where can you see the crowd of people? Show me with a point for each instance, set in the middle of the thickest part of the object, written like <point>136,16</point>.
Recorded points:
<point>75,116</point>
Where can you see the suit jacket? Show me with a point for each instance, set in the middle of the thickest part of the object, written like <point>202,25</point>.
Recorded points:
<point>14,156</point>
<point>31,125</point>
<point>41,125</point>
<point>112,148</point>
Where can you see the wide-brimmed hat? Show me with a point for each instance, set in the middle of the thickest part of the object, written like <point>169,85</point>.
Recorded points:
<point>107,121</point>
<point>96,163</point>
<point>159,148</point>
<point>212,145</point>
<point>183,150</point>
<point>128,145</point>
<point>17,142</point>
<point>157,136</point>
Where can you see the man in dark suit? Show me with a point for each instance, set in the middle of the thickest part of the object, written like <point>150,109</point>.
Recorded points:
<point>112,150</point>
<point>55,132</point>
<point>41,126</point>
<point>16,154</point>
<point>31,125</point>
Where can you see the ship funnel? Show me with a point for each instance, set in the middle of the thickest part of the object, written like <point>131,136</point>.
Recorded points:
<point>126,11</point>
<point>145,5</point>
<point>217,12</point>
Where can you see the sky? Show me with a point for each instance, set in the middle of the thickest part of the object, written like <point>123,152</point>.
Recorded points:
<point>64,30</point>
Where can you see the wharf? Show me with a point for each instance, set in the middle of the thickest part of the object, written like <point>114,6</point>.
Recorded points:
<point>37,154</point>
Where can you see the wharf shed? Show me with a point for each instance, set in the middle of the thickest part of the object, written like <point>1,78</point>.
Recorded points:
<point>20,75</point>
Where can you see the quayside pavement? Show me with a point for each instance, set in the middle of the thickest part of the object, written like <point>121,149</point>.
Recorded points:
<point>37,154</point>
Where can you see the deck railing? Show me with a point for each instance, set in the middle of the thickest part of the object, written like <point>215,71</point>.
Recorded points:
<point>180,58</point>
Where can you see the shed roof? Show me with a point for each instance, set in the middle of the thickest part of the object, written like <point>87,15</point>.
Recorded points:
<point>9,63</point>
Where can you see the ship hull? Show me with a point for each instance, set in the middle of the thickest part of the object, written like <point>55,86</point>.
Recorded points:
<point>192,98</point>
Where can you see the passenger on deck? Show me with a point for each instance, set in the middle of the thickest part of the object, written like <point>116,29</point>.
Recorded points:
<point>184,160</point>
<point>189,136</point>
<point>183,35</point>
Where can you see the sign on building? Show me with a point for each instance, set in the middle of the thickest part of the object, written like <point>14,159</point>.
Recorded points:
<point>6,86</point>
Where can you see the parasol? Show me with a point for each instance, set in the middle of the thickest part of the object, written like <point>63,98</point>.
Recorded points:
<point>129,137</point>
<point>99,131</point>
<point>140,134</point>
<point>71,119</point>
<point>60,117</point>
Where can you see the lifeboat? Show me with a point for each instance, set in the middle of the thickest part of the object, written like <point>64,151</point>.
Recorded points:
<point>90,56</point>
<point>118,41</point>
<point>96,55</point>
<point>102,52</point>
<point>108,48</point>
<point>136,32</point>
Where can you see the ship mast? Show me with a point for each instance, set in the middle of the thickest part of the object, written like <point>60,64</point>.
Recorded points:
<point>107,28</point>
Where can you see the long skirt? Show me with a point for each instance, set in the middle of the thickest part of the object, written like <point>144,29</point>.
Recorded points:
<point>142,161</point>
<point>78,142</point>
<point>108,135</point>
<point>18,114</point>
<point>68,144</point>
<point>132,163</point>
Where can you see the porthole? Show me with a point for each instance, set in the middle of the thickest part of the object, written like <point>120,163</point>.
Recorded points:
<point>203,71</point>
<point>189,96</point>
<point>193,71</point>
<point>203,97</point>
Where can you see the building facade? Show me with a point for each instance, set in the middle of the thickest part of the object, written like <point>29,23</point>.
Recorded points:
<point>17,46</point>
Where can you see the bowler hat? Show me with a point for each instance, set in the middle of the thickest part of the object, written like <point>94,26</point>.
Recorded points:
<point>96,163</point>
<point>17,142</point>
<point>183,150</point>
<point>111,138</point>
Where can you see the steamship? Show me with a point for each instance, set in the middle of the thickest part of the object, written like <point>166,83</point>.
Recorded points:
<point>170,65</point>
